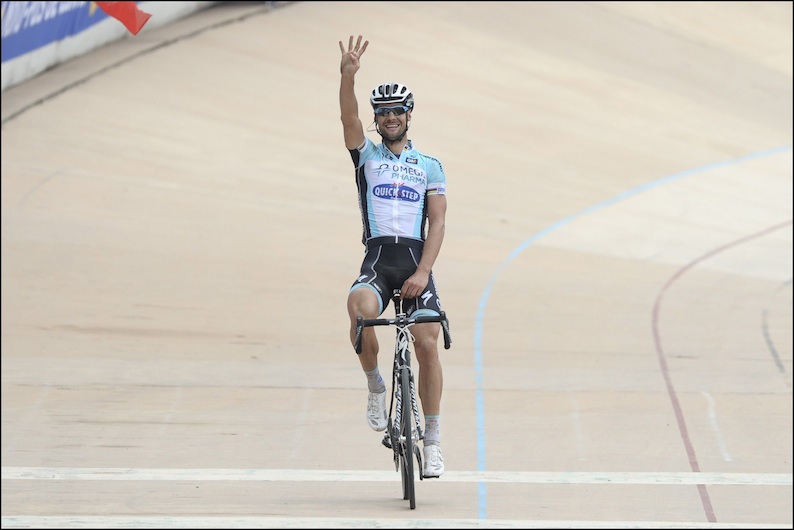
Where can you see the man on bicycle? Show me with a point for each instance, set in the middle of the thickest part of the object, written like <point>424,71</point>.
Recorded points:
<point>401,194</point>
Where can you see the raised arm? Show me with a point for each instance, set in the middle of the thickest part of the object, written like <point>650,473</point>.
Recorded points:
<point>348,105</point>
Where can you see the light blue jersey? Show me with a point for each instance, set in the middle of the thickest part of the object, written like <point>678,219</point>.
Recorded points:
<point>392,191</point>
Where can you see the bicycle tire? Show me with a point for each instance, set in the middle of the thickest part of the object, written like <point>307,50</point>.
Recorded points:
<point>406,431</point>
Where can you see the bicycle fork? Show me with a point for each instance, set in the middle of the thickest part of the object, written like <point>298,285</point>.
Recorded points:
<point>402,362</point>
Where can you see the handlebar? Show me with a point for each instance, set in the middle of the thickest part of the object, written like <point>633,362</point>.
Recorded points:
<point>403,322</point>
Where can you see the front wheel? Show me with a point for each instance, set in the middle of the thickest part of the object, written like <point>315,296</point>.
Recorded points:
<point>407,440</point>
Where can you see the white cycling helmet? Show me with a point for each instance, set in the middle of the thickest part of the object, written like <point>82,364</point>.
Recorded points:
<point>394,93</point>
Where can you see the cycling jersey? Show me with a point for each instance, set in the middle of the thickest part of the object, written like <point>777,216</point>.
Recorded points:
<point>392,191</point>
<point>392,196</point>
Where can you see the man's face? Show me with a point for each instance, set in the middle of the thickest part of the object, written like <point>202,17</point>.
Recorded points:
<point>392,120</point>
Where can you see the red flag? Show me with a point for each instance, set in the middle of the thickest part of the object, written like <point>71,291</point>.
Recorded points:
<point>127,13</point>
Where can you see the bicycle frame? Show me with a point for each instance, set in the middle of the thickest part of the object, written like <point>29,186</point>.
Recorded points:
<point>402,434</point>
<point>402,373</point>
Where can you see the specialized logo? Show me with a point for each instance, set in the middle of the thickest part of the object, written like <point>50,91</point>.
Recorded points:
<point>402,343</point>
<point>427,295</point>
<point>396,192</point>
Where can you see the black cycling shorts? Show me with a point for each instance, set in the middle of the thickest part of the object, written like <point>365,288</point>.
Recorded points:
<point>385,268</point>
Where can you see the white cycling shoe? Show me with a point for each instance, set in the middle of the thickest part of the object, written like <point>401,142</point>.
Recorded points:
<point>376,411</point>
<point>433,462</point>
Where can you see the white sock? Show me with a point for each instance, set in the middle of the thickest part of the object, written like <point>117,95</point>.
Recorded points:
<point>433,430</point>
<point>375,381</point>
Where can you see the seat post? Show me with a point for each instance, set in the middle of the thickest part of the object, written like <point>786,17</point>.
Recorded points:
<point>396,299</point>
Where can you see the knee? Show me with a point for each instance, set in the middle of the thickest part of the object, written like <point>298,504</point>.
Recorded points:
<point>362,302</point>
<point>426,348</point>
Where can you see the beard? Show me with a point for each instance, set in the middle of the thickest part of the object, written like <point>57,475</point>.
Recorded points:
<point>392,137</point>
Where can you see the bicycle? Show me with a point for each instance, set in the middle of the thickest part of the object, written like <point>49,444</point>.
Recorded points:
<point>404,429</point>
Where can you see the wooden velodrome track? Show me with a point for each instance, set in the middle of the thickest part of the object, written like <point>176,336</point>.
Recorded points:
<point>180,228</point>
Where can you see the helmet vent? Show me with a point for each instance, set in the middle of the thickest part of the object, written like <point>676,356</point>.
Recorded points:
<point>392,94</point>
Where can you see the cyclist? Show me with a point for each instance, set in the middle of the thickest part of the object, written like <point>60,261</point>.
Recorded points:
<point>401,194</point>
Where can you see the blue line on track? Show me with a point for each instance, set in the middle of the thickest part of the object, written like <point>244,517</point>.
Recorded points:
<point>482,493</point>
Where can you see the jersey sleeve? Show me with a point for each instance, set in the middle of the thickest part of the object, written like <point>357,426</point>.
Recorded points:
<point>361,154</point>
<point>436,178</point>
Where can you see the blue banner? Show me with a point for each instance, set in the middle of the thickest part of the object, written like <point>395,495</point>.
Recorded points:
<point>28,26</point>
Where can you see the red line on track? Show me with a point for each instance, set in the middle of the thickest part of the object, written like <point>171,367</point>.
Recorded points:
<point>679,416</point>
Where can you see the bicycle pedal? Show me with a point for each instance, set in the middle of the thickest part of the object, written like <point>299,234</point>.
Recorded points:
<point>386,441</point>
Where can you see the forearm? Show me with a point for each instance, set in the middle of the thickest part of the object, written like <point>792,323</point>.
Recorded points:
<point>348,104</point>
<point>432,247</point>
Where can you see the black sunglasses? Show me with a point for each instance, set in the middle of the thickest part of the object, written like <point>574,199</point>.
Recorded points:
<point>398,111</point>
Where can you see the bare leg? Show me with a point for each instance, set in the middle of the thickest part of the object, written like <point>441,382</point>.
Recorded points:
<point>363,302</point>
<point>431,377</point>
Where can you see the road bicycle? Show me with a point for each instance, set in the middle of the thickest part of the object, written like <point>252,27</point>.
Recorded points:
<point>404,429</point>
